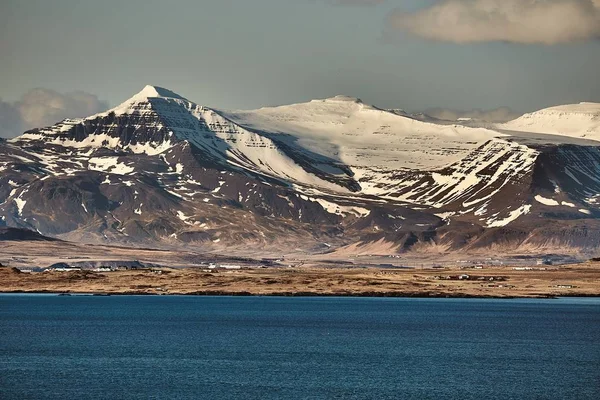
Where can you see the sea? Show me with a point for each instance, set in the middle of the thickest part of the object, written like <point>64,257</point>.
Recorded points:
<point>187,347</point>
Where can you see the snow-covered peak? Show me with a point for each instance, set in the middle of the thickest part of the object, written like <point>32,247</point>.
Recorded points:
<point>147,93</point>
<point>344,129</point>
<point>151,117</point>
<point>341,99</point>
<point>574,120</point>
<point>581,108</point>
<point>150,91</point>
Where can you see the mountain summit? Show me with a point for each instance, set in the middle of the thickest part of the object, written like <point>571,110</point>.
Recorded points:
<point>147,93</point>
<point>159,168</point>
<point>155,91</point>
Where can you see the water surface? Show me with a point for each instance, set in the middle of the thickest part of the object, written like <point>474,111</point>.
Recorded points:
<point>149,347</point>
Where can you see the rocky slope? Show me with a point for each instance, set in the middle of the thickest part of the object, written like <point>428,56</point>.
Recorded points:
<point>316,176</point>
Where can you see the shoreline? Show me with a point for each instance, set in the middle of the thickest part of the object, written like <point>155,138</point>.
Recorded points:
<point>373,295</point>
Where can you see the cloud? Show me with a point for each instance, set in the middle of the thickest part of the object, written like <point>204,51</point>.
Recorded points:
<point>10,120</point>
<point>497,115</point>
<point>356,2</point>
<point>43,107</point>
<point>516,21</point>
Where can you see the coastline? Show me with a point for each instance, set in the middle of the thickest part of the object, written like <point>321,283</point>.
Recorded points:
<point>424,295</point>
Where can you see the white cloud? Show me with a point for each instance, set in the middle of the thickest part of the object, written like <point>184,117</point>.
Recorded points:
<point>516,21</point>
<point>43,107</point>
<point>10,120</point>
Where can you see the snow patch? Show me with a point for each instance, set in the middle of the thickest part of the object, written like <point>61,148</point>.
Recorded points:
<point>445,215</point>
<point>20,205</point>
<point>218,188</point>
<point>512,216</point>
<point>110,165</point>
<point>334,208</point>
<point>545,201</point>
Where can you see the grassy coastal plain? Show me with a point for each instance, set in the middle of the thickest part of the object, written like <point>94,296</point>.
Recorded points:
<point>580,280</point>
<point>573,280</point>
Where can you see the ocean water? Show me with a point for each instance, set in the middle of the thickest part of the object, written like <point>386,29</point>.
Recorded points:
<point>137,347</point>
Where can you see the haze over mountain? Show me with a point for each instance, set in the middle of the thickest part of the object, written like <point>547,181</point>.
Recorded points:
<point>334,174</point>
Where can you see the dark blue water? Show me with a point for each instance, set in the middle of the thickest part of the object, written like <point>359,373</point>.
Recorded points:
<point>132,347</point>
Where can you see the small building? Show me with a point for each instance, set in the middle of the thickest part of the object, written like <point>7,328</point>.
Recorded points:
<point>230,266</point>
<point>63,269</point>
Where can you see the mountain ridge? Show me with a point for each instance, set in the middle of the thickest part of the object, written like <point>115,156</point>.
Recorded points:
<point>159,168</point>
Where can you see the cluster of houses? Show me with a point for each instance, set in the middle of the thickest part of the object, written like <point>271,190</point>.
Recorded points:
<point>64,267</point>
<point>466,277</point>
<point>212,267</point>
<point>73,269</point>
<point>223,266</point>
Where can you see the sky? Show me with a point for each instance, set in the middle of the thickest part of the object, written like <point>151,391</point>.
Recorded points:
<point>71,58</point>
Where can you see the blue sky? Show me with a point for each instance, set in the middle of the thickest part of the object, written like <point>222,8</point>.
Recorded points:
<point>250,53</point>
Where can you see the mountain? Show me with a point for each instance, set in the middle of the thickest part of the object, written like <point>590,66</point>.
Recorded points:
<point>575,120</point>
<point>328,175</point>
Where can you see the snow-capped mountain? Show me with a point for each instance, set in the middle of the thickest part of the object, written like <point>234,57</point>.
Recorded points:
<point>575,120</point>
<point>160,168</point>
